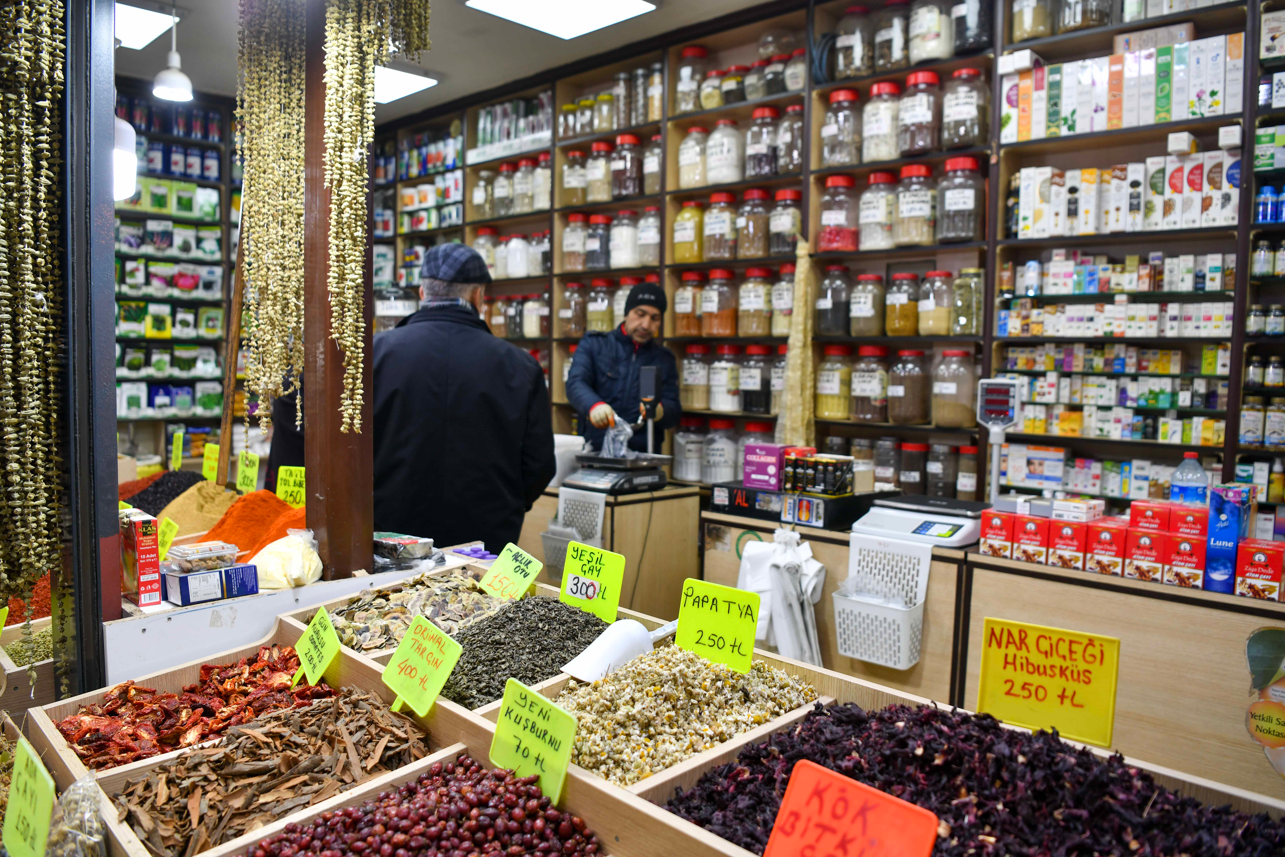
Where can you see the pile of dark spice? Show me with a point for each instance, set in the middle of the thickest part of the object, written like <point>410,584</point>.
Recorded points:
<point>164,491</point>
<point>996,791</point>
<point>286,761</point>
<point>529,640</point>
<point>457,808</point>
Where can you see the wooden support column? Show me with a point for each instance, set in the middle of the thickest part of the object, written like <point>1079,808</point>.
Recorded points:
<point>340,484</point>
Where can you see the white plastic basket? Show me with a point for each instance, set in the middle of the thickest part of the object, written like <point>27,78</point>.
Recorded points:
<point>869,627</point>
<point>555,555</point>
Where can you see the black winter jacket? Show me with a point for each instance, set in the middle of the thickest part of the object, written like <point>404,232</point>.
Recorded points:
<point>463,433</point>
<point>605,369</point>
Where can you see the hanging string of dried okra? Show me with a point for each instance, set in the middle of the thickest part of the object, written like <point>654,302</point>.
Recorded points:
<point>270,87</point>
<point>358,37</point>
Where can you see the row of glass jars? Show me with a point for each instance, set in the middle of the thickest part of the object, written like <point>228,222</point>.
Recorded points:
<point>518,316</point>
<point>902,34</point>
<point>600,307</point>
<point>759,306</point>
<point>598,242</point>
<point>725,231</point>
<point>895,124</point>
<point>721,378</point>
<point>716,454</point>
<point>1035,19</point>
<point>770,146</point>
<point>632,100</point>
<point>514,256</point>
<point>514,188</point>
<point>903,391</point>
<point>610,171</point>
<point>697,86</point>
<point>938,306</point>
<point>937,470</point>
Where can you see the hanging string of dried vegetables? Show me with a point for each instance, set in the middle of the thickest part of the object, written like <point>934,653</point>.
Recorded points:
<point>270,87</point>
<point>359,34</point>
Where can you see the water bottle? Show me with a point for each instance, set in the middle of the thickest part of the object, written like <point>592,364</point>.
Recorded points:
<point>1266,206</point>
<point>1190,483</point>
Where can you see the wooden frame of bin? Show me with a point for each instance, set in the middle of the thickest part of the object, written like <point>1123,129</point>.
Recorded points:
<point>18,694</point>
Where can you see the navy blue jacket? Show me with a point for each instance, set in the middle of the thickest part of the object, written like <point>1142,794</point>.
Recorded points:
<point>605,369</point>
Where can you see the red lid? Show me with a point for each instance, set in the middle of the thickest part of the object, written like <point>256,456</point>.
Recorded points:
<point>506,237</point>
<point>759,64</point>
<point>759,350</point>
<point>574,347</point>
<point>738,69</point>
<point>967,72</point>
<point>491,230</point>
<point>758,273</point>
<point>720,274</point>
<point>798,52</point>
<point>627,140</point>
<point>652,278</point>
<point>575,153</point>
<point>843,95</point>
<point>787,268</point>
<point>698,129</point>
<point>729,349</point>
<point>601,282</point>
<point>781,349</point>
<point>917,77</point>
<point>964,163</point>
<point>766,113</point>
<point>789,193</point>
<point>843,268</point>
<point>722,197</point>
<point>895,3</point>
<point>886,88</point>
<point>722,424</point>
<point>1191,455</point>
<point>840,181</point>
<point>655,138</point>
<point>627,212</point>
<point>968,450</point>
<point>692,276</point>
<point>545,156</point>
<point>723,123</point>
<point>937,274</point>
<point>856,10</point>
<point>601,146</point>
<point>508,167</point>
<point>955,352</point>
<point>869,278</point>
<point>872,351</point>
<point>652,208</point>
<point>599,218</point>
<point>573,285</point>
<point>838,350</point>
<point>526,162</point>
<point>780,57</point>
<point>914,447</point>
<point>697,348</point>
<point>755,193</point>
<point>714,73</point>
<point>694,51</point>
<point>575,217</point>
<point>630,281</point>
<point>760,428</point>
<point>904,277</point>
<point>911,352</point>
<point>691,422</point>
<point>915,170</point>
<point>689,203</point>
<point>882,177</point>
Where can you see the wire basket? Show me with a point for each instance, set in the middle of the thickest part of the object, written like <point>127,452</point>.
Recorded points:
<point>555,554</point>
<point>877,628</point>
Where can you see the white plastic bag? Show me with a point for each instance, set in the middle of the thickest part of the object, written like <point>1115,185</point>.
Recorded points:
<point>289,562</point>
<point>789,583</point>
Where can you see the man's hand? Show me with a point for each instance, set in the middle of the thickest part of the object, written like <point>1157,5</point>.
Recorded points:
<point>602,415</point>
<point>660,411</point>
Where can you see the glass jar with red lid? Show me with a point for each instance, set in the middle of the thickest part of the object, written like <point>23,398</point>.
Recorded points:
<point>841,130</point>
<point>760,143</point>
<point>870,384</point>
<point>598,173</point>
<point>692,65</point>
<point>719,304</point>
<point>919,114</point>
<point>503,190</point>
<point>916,216</point>
<point>839,220</point>
<point>965,110</point>
<point>719,238</point>
<point>626,167</point>
<point>785,221</point>
<point>877,211</point>
<point>961,196</point>
<point>687,304</point>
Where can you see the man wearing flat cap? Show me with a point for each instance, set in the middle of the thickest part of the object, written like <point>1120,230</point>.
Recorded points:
<point>603,383</point>
<point>463,433</point>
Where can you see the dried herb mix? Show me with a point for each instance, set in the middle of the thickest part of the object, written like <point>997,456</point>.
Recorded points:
<point>996,791</point>
<point>39,648</point>
<point>662,707</point>
<point>378,618</point>
<point>529,640</point>
<point>287,761</point>
<point>456,808</point>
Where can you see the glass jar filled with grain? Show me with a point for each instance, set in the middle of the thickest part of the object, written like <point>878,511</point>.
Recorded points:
<point>574,178</point>
<point>692,65</point>
<point>919,114</point>
<point>834,383</point>
<point>853,44</point>
<point>752,235</point>
<point>961,195</point>
<point>876,212</point>
<point>909,389</point>
<point>754,309</point>
<point>693,393</point>
<point>935,304</point>
<point>965,110</point>
<point>841,130</point>
<point>598,314</point>
<point>719,239</point>
<point>689,227</point>
<point>687,304</point>
<point>901,306</point>
<point>833,295</point>
<point>783,301</point>
<point>649,236</point>
<point>785,221</point>
<point>573,242</point>
<point>865,306</point>
<point>1031,19</point>
<point>870,384</point>
<point>916,217</point>
<point>652,156</point>
<point>719,304</point>
<point>955,390</point>
<point>789,140</point>
<point>890,36</point>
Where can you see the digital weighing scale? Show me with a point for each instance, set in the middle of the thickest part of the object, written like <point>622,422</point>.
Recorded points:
<point>619,475</point>
<point>930,520</point>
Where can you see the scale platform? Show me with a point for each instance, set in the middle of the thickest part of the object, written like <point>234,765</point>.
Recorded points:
<point>619,475</point>
<point>929,520</point>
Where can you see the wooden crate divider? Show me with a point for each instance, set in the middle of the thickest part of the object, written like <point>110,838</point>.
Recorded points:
<point>15,683</point>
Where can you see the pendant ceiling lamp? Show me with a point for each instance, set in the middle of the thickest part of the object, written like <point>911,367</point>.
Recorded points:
<point>171,84</point>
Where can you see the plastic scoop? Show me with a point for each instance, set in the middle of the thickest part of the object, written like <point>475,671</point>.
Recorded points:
<point>623,641</point>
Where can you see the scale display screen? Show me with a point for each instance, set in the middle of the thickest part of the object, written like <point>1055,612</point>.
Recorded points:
<point>997,402</point>
<point>937,529</point>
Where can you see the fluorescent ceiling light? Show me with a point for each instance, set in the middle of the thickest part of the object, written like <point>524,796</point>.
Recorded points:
<point>137,28</point>
<point>566,19</point>
<point>392,84</point>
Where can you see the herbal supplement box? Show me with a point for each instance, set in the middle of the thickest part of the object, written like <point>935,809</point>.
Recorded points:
<point>997,534</point>
<point>1031,538</point>
<point>1258,569</point>
<point>763,465</point>
<point>1185,566</point>
<point>1151,515</point>
<point>1145,555</point>
<point>1106,546</point>
<point>1067,541</point>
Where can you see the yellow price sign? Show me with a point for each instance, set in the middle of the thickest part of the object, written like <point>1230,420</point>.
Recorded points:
<point>592,579</point>
<point>290,486</point>
<point>122,505</point>
<point>31,804</point>
<point>210,462</point>
<point>421,665</point>
<point>718,623</point>
<point>176,451</point>
<point>247,472</point>
<point>1041,678</point>
<point>317,648</point>
<point>168,530</point>
<point>533,737</point>
<point>4,616</point>
<point>512,573</point>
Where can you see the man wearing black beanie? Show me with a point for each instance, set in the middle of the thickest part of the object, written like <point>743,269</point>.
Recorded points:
<point>603,382</point>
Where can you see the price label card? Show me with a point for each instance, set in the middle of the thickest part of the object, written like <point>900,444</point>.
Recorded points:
<point>420,666</point>
<point>592,579</point>
<point>168,530</point>
<point>1041,677</point>
<point>512,573</point>
<point>4,616</point>
<point>176,451</point>
<point>317,648</point>
<point>718,623</point>
<point>122,505</point>
<point>533,737</point>
<point>247,472</point>
<point>290,486</point>
<point>210,462</point>
<point>823,812</point>
<point>31,804</point>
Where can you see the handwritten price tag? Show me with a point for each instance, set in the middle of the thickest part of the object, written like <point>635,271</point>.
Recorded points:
<point>512,573</point>
<point>247,472</point>
<point>533,736</point>
<point>210,462</point>
<point>823,812</point>
<point>718,623</point>
<point>420,666</point>
<point>31,804</point>
<point>1041,677</point>
<point>168,530</point>
<point>176,451</point>
<point>290,486</point>
<point>317,648</point>
<point>592,579</point>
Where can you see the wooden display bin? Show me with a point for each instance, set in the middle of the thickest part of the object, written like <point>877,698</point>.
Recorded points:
<point>15,684</point>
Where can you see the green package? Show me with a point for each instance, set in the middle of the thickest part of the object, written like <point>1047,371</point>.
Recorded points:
<point>1164,84</point>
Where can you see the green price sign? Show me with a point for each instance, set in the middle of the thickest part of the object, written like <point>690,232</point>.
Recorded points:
<point>247,472</point>
<point>168,530</point>
<point>512,573</point>
<point>420,666</point>
<point>31,804</point>
<point>290,486</point>
<point>592,579</point>
<point>718,623</point>
<point>533,737</point>
<point>317,648</point>
<point>176,451</point>
<point>210,462</point>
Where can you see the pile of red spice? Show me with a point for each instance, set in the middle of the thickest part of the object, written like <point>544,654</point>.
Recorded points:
<point>39,604</point>
<point>249,520</point>
<point>292,520</point>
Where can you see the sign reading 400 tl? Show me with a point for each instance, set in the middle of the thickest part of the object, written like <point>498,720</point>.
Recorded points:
<point>718,623</point>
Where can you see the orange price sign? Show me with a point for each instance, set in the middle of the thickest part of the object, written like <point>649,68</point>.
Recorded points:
<point>826,813</point>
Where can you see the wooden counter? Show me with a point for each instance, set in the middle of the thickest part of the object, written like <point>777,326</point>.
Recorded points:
<point>657,532</point>
<point>932,677</point>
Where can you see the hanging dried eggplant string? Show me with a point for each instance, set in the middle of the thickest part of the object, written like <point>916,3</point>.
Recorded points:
<point>31,83</point>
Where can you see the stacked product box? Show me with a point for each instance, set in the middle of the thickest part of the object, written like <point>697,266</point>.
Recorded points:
<point>140,558</point>
<point>205,571</point>
<point>1071,272</point>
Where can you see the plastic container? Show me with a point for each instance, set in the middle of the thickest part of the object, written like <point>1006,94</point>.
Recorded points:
<point>1190,482</point>
<point>574,178</point>
<point>880,119</point>
<point>839,215</point>
<point>691,71</point>
<point>689,449</point>
<point>887,457</point>
<point>689,227</point>
<point>598,243</point>
<point>513,316</point>
<point>1083,14</point>
<point>620,297</point>
<point>853,45</point>
<point>890,36</point>
<point>604,113</point>
<point>901,306</point>
<point>571,316</point>
<point>790,145</point>
<point>870,384</point>
<point>502,190</point>
<point>935,303</point>
<point>965,110</point>
<point>783,301</point>
<point>966,478</point>
<point>966,303</point>
<point>624,240</point>
<point>778,377</point>
<point>974,25</point>
<point>760,143</point>
<point>961,198</point>
<point>841,130</point>
<point>524,187</point>
<point>725,153</point>
<point>756,81</point>
<point>653,155</point>
<point>691,158</point>
<point>719,229</point>
<point>687,304</point>
<point>693,393</point>
<point>753,239</point>
<point>785,221</point>
<point>649,236</point>
<point>914,466</point>
<point>202,556</point>
<point>754,308</point>
<point>834,383</point>
<point>485,244</point>
<point>535,317</point>
<point>542,192</point>
<point>954,400</point>
<point>720,452</point>
<point>627,167</point>
<point>909,390</point>
<point>484,195</point>
<point>919,114</point>
<point>916,215</point>
<point>598,313</point>
<point>1030,19</point>
<point>598,173</point>
<point>774,74</point>
<point>931,32</point>
<point>831,317</point>
<point>876,212</point>
<point>866,306</point>
<point>719,305</point>
<point>519,257</point>
<point>725,380</point>
<point>711,91</point>
<point>796,70</point>
<point>756,381</point>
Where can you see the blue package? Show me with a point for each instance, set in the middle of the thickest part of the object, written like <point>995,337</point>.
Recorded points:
<point>239,580</point>
<point>159,397</point>
<point>186,588</point>
<point>1231,509</point>
<point>175,159</point>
